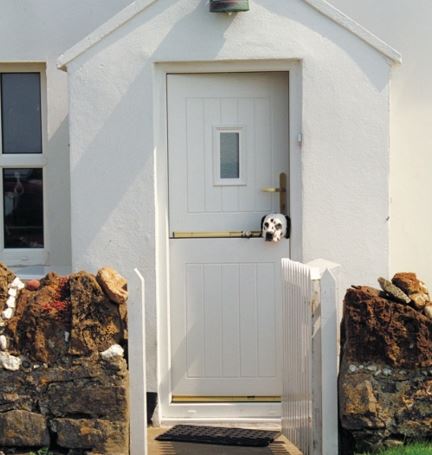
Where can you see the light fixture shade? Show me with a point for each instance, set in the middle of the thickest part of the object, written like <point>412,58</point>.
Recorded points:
<point>229,6</point>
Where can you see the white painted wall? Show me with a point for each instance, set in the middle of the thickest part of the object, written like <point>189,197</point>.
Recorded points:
<point>115,149</point>
<point>406,25</point>
<point>38,31</point>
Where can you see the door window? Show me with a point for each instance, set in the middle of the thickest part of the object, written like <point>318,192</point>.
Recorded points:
<point>229,156</point>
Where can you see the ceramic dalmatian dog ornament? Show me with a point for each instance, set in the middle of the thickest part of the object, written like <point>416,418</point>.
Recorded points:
<point>275,227</point>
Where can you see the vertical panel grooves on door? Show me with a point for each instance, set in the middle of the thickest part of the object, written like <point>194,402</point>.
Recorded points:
<point>205,153</point>
<point>219,188</point>
<point>248,309</point>
<point>212,305</point>
<point>203,102</point>
<point>222,318</point>
<point>255,153</point>
<point>204,340</point>
<point>230,321</point>
<point>187,183</point>
<point>213,195</point>
<point>246,120</point>
<point>263,155</point>
<point>186,310</point>
<point>194,156</point>
<point>266,318</point>
<point>194,320</point>
<point>256,317</point>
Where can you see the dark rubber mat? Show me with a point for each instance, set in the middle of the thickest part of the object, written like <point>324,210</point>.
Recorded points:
<point>219,435</point>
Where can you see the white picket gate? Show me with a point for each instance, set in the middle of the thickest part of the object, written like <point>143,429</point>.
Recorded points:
<point>311,356</point>
<point>311,319</point>
<point>137,364</point>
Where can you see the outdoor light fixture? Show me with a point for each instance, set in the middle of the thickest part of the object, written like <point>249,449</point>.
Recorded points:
<point>229,6</point>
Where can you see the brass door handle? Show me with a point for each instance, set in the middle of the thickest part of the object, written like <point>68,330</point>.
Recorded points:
<point>273,190</point>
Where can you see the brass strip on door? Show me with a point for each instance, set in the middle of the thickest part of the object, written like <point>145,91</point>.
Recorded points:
<point>215,234</point>
<point>225,399</point>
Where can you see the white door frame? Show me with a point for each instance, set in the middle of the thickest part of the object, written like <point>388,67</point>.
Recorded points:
<point>166,411</point>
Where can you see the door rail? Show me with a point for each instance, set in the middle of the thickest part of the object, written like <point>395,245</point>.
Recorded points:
<point>216,234</point>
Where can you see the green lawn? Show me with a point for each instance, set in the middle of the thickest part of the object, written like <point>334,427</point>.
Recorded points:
<point>415,449</point>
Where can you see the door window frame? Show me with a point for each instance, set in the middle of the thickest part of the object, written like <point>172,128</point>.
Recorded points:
<point>218,180</point>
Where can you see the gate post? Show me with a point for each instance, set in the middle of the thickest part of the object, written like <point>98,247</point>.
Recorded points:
<point>325,356</point>
<point>137,364</point>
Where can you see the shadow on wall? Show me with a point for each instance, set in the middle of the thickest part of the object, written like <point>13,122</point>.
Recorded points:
<point>340,37</point>
<point>112,165</point>
<point>58,202</point>
<point>113,155</point>
<point>120,133</point>
<point>129,168</point>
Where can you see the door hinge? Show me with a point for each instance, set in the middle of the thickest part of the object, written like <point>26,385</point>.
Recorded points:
<point>300,138</point>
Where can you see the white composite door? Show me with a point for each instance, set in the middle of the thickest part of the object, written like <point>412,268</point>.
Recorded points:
<point>227,141</point>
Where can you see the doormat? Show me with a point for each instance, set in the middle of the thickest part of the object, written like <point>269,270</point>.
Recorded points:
<point>219,435</point>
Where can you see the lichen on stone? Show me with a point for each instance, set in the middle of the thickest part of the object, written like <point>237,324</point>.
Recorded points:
<point>390,400</point>
<point>55,388</point>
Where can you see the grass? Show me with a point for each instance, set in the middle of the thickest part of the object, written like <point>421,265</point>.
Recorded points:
<point>44,451</point>
<point>412,449</point>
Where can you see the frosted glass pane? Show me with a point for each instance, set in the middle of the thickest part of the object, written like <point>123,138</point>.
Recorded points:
<point>230,155</point>
<point>21,113</point>
<point>23,208</point>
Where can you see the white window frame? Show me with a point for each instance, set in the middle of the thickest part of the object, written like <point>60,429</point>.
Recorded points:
<point>217,131</point>
<point>26,256</point>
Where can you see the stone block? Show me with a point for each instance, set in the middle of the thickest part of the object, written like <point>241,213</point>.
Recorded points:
<point>12,400</point>
<point>87,398</point>
<point>376,329</point>
<point>96,321</point>
<point>109,438</point>
<point>114,285</point>
<point>23,429</point>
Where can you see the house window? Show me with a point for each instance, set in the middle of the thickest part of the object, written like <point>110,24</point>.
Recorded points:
<point>21,113</point>
<point>22,163</point>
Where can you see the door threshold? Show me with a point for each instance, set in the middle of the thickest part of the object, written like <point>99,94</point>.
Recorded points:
<point>225,399</point>
<point>222,412</point>
<point>269,424</point>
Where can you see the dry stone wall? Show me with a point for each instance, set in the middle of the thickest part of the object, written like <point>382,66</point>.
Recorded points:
<point>63,372</point>
<point>385,382</point>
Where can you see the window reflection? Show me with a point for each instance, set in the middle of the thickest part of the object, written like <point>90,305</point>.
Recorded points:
<point>21,113</point>
<point>23,208</point>
<point>230,155</point>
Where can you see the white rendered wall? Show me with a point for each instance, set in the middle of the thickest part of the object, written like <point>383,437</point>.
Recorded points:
<point>38,31</point>
<point>406,25</point>
<point>114,153</point>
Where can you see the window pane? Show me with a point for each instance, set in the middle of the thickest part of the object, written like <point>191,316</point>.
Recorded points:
<point>229,155</point>
<point>21,113</point>
<point>23,208</point>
